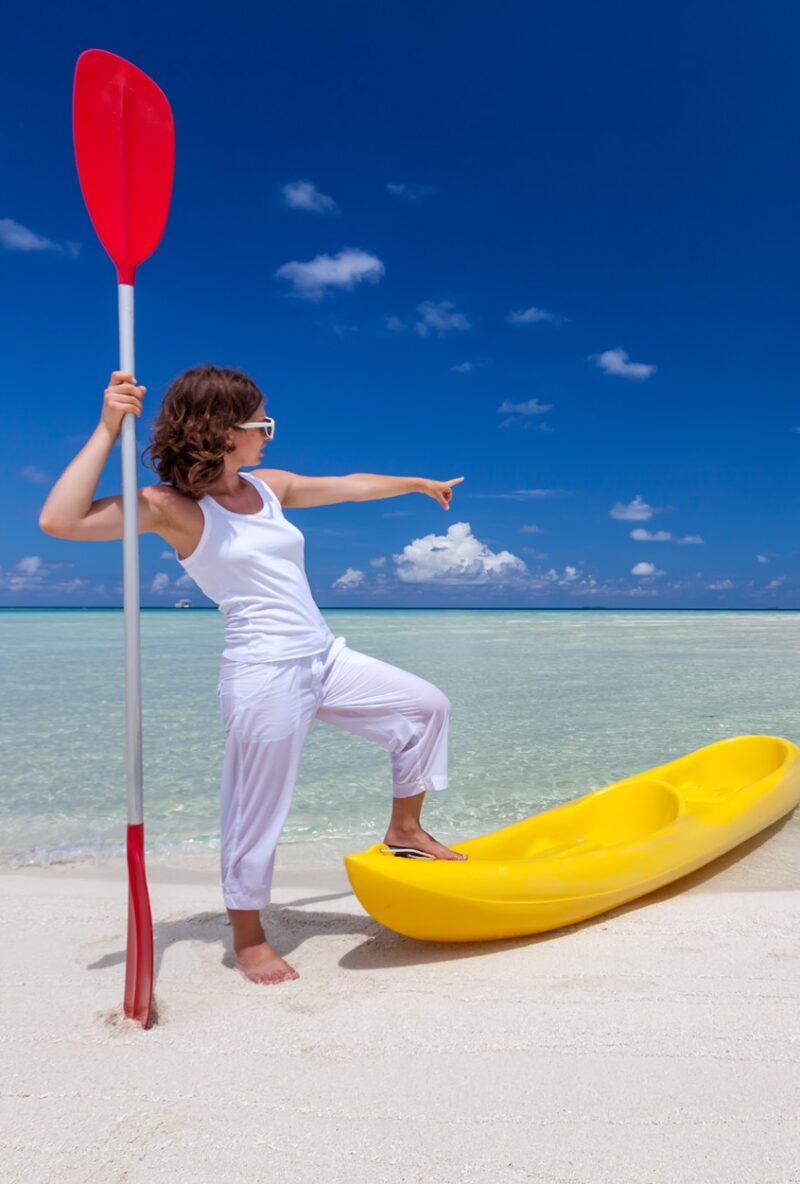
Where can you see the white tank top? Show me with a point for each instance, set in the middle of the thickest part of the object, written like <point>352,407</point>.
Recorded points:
<point>251,566</point>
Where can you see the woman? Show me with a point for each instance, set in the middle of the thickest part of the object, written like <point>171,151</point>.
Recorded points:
<point>281,666</point>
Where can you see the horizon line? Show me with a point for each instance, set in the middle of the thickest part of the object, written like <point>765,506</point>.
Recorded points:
<point>538,608</point>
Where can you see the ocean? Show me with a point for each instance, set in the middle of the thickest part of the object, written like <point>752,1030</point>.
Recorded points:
<point>547,705</point>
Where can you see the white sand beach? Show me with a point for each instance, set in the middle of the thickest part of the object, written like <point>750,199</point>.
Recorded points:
<point>656,1044</point>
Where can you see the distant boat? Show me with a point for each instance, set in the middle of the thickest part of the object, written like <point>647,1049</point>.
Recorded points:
<point>182,604</point>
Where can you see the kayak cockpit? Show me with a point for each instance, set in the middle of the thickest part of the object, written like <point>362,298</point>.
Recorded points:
<point>624,813</point>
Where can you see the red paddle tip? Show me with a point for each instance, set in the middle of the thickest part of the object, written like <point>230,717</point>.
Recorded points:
<point>124,137</point>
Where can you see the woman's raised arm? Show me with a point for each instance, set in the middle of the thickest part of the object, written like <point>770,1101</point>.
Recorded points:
<point>70,511</point>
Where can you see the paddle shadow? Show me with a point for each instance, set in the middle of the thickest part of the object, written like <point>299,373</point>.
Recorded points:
<point>287,926</point>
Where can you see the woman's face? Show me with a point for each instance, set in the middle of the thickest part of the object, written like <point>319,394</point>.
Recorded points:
<point>250,443</point>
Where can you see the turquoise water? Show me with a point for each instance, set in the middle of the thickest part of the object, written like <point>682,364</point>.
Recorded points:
<point>546,706</point>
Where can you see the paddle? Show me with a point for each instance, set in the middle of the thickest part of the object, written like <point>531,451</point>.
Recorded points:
<point>125,153</point>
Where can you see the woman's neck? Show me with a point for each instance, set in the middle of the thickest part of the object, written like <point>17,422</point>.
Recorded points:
<point>229,485</point>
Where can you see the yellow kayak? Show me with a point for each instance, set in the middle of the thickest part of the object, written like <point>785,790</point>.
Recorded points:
<point>590,854</point>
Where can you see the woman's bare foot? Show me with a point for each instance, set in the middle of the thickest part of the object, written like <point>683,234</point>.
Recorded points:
<point>261,964</point>
<point>420,840</point>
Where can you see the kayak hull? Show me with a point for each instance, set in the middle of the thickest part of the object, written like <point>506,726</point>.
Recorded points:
<point>589,855</point>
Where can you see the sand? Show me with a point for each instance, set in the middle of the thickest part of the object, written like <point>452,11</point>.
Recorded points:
<point>659,1043</point>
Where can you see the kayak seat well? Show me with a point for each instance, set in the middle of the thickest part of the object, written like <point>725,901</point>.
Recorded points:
<point>623,813</point>
<point>701,795</point>
<point>711,777</point>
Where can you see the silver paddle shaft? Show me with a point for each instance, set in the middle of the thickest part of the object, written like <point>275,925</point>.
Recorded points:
<point>130,571</point>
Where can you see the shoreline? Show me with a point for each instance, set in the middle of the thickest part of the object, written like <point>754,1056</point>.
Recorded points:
<point>770,861</point>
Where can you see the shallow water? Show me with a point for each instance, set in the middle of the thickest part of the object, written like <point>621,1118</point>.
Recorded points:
<point>546,706</point>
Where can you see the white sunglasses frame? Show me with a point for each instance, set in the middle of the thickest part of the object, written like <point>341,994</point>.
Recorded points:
<point>267,425</point>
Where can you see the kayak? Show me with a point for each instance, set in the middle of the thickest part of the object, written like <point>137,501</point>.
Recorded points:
<point>589,855</point>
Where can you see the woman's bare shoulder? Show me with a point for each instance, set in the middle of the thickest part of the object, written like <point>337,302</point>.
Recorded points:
<point>277,479</point>
<point>171,502</point>
<point>179,518</point>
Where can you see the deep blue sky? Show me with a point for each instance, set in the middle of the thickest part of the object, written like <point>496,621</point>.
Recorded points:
<point>628,169</point>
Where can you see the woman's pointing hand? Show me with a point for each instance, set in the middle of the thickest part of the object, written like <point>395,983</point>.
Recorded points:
<point>441,490</point>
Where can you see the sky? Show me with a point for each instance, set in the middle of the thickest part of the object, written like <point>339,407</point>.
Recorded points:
<point>549,248</point>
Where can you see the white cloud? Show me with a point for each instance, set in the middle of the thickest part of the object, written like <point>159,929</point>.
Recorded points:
<point>15,237</point>
<point>572,579</point>
<point>462,368</point>
<point>522,495</point>
<point>635,511</point>
<point>762,559</point>
<point>456,558</point>
<point>531,407</point>
<point>520,413</point>
<point>720,586</point>
<point>532,316</point>
<point>304,195</point>
<point>531,529</point>
<point>30,564</point>
<point>161,583</point>
<point>640,535</point>
<point>394,324</point>
<point>615,361</point>
<point>776,583</point>
<point>409,192</point>
<point>33,574</point>
<point>646,569</point>
<point>34,475</point>
<point>315,279</point>
<point>351,579</point>
<point>340,328</point>
<point>379,562</point>
<point>528,424</point>
<point>440,319</point>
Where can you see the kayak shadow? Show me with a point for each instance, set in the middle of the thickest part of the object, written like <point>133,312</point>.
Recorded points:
<point>377,952</point>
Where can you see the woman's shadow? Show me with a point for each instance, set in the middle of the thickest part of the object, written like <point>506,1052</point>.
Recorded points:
<point>292,923</point>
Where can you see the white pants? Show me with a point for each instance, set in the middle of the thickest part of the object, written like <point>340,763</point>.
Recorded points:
<point>267,709</point>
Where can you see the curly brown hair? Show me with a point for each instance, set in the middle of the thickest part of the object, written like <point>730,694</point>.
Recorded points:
<point>187,441</point>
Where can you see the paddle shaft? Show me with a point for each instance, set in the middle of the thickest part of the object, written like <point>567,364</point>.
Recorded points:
<point>130,571</point>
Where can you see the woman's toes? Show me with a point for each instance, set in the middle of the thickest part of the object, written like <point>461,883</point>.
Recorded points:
<point>262,965</point>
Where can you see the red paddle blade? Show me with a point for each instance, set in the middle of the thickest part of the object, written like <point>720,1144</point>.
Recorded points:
<point>125,152</point>
<point>139,960</point>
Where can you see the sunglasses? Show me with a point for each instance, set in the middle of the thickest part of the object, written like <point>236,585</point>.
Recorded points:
<point>267,425</point>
